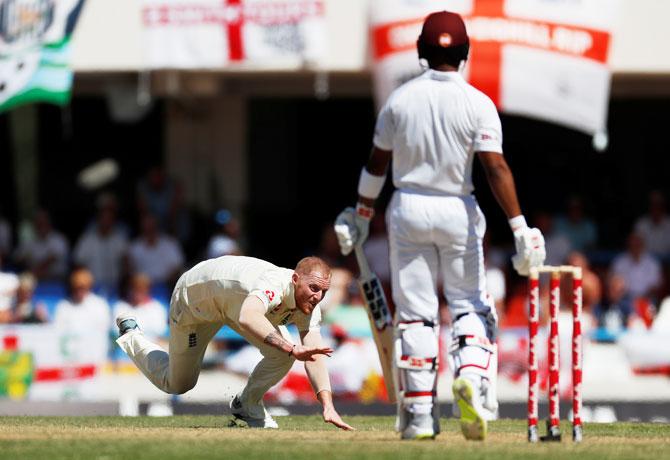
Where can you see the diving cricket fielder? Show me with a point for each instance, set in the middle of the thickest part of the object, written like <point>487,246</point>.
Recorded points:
<point>256,299</point>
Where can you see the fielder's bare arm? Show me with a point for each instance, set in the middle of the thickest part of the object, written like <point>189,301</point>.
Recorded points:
<point>433,126</point>
<point>256,299</point>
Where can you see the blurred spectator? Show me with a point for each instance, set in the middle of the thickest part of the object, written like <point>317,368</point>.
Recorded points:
<point>639,269</point>
<point>654,227</point>
<point>102,249</point>
<point>376,249</point>
<point>557,245</point>
<point>613,313</point>
<point>5,237</point>
<point>151,315</point>
<point>340,281</point>
<point>9,283</point>
<point>46,254</point>
<point>591,286</point>
<point>156,196</point>
<point>155,254</point>
<point>26,310</point>
<point>83,311</point>
<point>580,230</point>
<point>224,242</point>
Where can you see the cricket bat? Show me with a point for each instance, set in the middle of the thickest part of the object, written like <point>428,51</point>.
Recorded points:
<point>381,320</point>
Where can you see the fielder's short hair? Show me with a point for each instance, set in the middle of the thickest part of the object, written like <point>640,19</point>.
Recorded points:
<point>312,264</point>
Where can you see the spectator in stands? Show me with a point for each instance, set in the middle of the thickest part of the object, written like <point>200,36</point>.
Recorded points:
<point>591,286</point>
<point>580,230</point>
<point>150,314</point>
<point>329,249</point>
<point>639,269</point>
<point>83,311</point>
<point>9,283</point>
<point>5,236</point>
<point>224,241</point>
<point>614,311</point>
<point>26,310</point>
<point>155,254</point>
<point>557,245</point>
<point>45,255</point>
<point>102,249</point>
<point>654,227</point>
<point>156,196</point>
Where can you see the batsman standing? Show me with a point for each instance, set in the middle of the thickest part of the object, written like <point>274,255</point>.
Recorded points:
<point>256,299</point>
<point>432,127</point>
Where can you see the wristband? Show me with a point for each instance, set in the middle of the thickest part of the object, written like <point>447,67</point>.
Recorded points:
<point>366,212</point>
<point>370,186</point>
<point>290,353</point>
<point>517,223</point>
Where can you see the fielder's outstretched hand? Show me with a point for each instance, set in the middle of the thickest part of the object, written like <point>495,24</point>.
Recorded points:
<point>330,415</point>
<point>302,353</point>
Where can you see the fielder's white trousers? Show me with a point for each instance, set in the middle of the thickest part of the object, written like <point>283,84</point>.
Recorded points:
<point>177,371</point>
<point>435,238</point>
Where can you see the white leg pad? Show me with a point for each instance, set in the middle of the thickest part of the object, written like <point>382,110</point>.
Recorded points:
<point>416,362</point>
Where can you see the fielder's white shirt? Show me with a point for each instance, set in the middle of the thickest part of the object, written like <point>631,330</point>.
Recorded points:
<point>215,289</point>
<point>434,124</point>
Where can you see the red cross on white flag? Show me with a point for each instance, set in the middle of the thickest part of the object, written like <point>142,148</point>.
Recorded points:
<point>207,34</point>
<point>540,58</point>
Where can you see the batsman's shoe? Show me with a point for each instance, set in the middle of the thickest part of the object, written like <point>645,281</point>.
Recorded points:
<point>473,423</point>
<point>420,426</point>
<point>242,420</point>
<point>127,322</point>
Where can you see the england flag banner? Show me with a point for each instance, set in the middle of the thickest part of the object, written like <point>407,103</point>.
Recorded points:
<point>545,59</point>
<point>35,50</point>
<point>213,34</point>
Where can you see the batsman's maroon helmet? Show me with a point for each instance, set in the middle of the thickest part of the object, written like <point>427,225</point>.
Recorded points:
<point>443,32</point>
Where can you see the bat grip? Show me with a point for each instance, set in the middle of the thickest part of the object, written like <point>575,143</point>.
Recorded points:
<point>363,265</point>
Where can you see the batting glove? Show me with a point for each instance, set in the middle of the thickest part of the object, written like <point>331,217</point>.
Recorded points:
<point>530,251</point>
<point>352,227</point>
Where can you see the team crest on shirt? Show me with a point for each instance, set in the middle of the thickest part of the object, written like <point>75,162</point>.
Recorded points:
<point>270,295</point>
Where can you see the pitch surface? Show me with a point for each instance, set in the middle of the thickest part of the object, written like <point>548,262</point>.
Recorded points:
<point>203,437</point>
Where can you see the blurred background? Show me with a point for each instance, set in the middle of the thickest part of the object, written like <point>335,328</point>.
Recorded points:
<point>138,138</point>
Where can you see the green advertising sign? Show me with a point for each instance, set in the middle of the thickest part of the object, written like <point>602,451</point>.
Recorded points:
<point>35,51</point>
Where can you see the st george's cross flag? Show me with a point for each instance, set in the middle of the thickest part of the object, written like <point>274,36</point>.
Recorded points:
<point>214,34</point>
<point>545,59</point>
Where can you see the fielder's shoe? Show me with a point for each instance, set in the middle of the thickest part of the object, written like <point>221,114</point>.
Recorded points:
<point>420,426</point>
<point>242,420</point>
<point>473,424</point>
<point>127,322</point>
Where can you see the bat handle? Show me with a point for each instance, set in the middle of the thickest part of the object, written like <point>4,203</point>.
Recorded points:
<point>362,261</point>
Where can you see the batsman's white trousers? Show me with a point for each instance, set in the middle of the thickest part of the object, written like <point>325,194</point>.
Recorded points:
<point>431,238</point>
<point>177,372</point>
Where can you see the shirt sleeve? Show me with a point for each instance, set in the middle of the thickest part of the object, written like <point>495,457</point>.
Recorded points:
<point>488,136</point>
<point>384,128</point>
<point>269,291</point>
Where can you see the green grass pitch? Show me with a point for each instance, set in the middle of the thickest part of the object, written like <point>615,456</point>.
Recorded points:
<point>306,437</point>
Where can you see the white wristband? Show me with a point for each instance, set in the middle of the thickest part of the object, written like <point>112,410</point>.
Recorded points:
<point>517,222</point>
<point>370,186</point>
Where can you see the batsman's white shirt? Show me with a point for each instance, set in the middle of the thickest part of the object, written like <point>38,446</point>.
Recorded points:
<point>434,124</point>
<point>215,289</point>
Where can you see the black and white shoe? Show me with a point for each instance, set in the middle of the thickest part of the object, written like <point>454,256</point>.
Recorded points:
<point>242,420</point>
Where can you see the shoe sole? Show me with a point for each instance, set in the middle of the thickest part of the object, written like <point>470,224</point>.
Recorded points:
<point>418,437</point>
<point>473,425</point>
<point>237,422</point>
